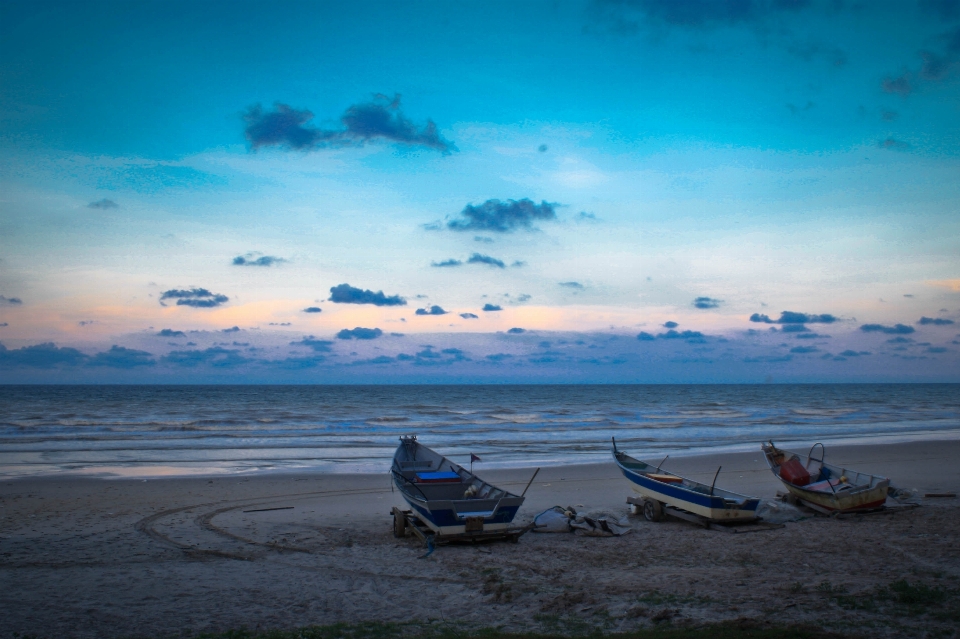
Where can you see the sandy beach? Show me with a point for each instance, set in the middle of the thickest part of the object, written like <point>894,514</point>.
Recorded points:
<point>85,557</point>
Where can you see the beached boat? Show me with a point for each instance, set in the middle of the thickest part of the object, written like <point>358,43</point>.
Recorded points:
<point>824,487</point>
<point>662,491</point>
<point>449,499</point>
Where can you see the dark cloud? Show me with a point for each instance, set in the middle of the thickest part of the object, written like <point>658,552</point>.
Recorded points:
<point>670,324</point>
<point>935,321</point>
<point>447,263</point>
<point>482,239</point>
<point>299,363</point>
<point>316,345</point>
<point>232,329</point>
<point>517,331</point>
<point>645,337</point>
<point>217,357</point>
<point>251,259</point>
<point>804,349</point>
<point>498,357</point>
<point>899,340</point>
<point>433,310</point>
<point>103,204</point>
<point>812,336</point>
<point>195,297</point>
<point>10,301</point>
<point>359,333</point>
<point>899,85</point>
<point>373,121</point>
<point>503,217</point>
<point>2,324</point>
<point>672,334</point>
<point>935,67</point>
<point>491,307</point>
<point>896,329</point>
<point>518,263</point>
<point>795,328</point>
<point>791,317</point>
<point>86,322</point>
<point>936,349</point>
<point>45,355</point>
<point>706,302</point>
<point>850,353</point>
<point>169,332</point>
<point>523,297</point>
<point>346,294</point>
<point>893,145</point>
<point>574,285</point>
<point>313,309</point>
<point>279,324</point>
<point>477,258</point>
<point>468,316</point>
<point>120,357</point>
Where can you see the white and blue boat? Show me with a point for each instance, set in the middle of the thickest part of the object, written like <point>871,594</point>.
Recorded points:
<point>447,498</point>
<point>663,491</point>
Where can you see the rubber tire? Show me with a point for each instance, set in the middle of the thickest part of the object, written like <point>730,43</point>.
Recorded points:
<point>399,525</point>
<point>652,510</point>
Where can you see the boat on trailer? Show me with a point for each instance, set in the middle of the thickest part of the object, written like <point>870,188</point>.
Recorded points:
<point>824,487</point>
<point>447,501</point>
<point>663,492</point>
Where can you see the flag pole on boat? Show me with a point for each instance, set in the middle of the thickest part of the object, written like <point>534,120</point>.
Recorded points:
<point>530,482</point>
<point>473,458</point>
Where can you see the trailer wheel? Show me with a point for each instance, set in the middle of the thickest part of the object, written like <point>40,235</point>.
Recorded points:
<point>399,524</point>
<point>652,510</point>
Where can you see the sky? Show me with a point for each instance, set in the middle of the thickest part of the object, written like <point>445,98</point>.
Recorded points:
<point>598,191</point>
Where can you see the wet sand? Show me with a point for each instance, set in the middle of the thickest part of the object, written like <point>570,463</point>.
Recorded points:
<point>83,557</point>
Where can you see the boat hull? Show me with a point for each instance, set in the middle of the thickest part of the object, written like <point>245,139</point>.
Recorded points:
<point>444,519</point>
<point>862,500</point>
<point>710,507</point>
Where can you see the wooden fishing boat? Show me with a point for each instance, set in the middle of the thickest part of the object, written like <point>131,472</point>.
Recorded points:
<point>824,487</point>
<point>664,491</point>
<point>447,498</point>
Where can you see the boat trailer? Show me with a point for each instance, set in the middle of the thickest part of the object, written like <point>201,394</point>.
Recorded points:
<point>407,520</point>
<point>733,526</point>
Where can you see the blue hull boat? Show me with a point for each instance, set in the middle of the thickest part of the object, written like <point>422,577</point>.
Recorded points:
<point>660,489</point>
<point>447,498</point>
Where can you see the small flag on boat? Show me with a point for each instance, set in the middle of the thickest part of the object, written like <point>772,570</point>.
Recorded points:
<point>474,458</point>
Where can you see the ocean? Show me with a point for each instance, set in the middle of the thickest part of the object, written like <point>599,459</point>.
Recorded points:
<point>183,430</point>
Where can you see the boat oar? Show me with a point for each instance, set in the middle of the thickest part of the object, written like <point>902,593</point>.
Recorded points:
<point>715,480</point>
<point>530,482</point>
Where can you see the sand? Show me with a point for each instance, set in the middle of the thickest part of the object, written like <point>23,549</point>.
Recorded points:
<point>83,557</point>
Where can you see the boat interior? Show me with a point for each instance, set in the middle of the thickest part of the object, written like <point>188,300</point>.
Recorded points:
<point>433,477</point>
<point>812,473</point>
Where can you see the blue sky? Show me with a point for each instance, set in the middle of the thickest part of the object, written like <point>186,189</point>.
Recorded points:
<point>595,169</point>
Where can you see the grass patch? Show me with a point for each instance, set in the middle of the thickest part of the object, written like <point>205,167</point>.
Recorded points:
<point>732,630</point>
<point>900,598</point>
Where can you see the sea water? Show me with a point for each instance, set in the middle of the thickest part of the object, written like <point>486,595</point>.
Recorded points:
<point>171,430</point>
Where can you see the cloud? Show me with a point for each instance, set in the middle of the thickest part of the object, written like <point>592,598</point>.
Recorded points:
<point>899,85</point>
<point>899,340</point>
<point>503,217</point>
<point>2,324</point>
<point>574,285</point>
<point>795,328</point>
<point>346,294</point>
<point>893,145</point>
<point>517,331</point>
<point>935,321</point>
<point>897,329</point>
<point>169,332</point>
<point>889,116</point>
<point>447,263</point>
<point>706,302</point>
<point>811,335</point>
<point>313,309</point>
<point>491,307</point>
<point>10,301</point>
<point>250,259</point>
<point>468,316</point>
<point>121,357</point>
<point>498,357</point>
<point>373,121</point>
<point>482,239</point>
<point>45,355</point>
<point>645,337</point>
<point>195,297</point>
<point>477,258</point>
<point>316,345</point>
<point>791,317</point>
<point>433,310</point>
<point>944,9</point>
<point>232,329</point>
<point>804,349</point>
<point>672,334</point>
<point>216,357</point>
<point>936,349</point>
<point>103,204</point>
<point>542,148</point>
<point>670,324</point>
<point>359,333</point>
<point>850,353</point>
<point>693,13</point>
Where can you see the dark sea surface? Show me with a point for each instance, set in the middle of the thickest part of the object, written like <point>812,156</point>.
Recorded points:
<point>169,430</point>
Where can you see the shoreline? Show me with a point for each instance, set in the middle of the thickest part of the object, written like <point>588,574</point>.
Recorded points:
<point>161,472</point>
